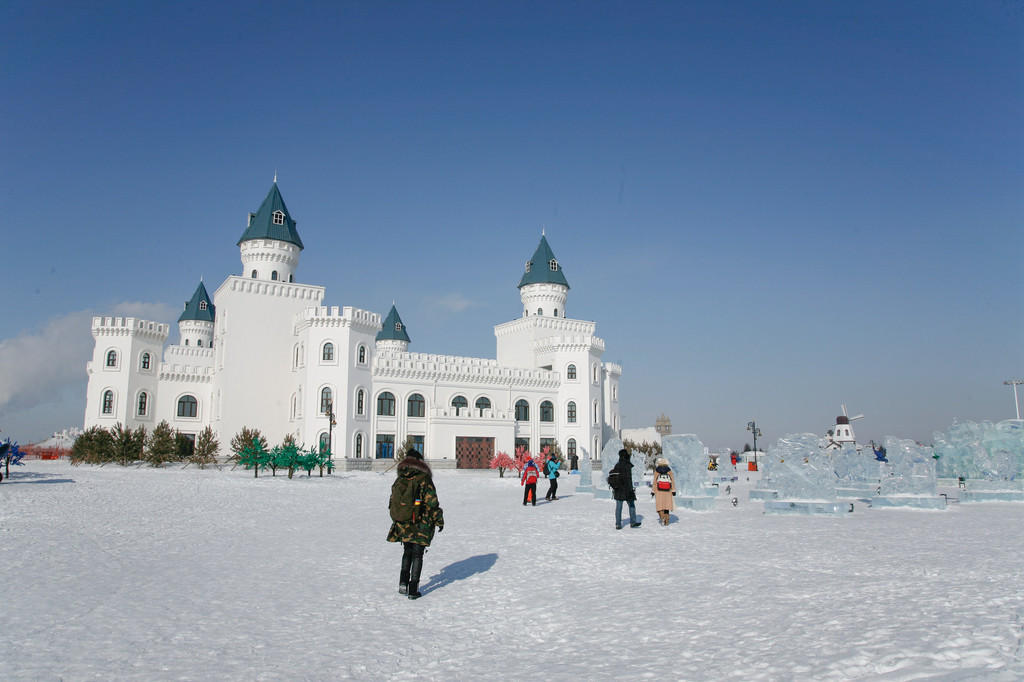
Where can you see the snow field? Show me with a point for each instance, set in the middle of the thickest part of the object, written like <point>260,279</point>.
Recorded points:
<point>180,574</point>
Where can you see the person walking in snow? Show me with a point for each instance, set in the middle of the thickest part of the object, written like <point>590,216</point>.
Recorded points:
<point>663,490</point>
<point>620,480</point>
<point>551,469</point>
<point>415,513</point>
<point>530,475</point>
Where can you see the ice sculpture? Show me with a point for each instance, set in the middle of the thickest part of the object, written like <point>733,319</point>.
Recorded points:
<point>800,469</point>
<point>993,454</point>
<point>856,468</point>
<point>685,454</point>
<point>910,469</point>
<point>586,483</point>
<point>609,458</point>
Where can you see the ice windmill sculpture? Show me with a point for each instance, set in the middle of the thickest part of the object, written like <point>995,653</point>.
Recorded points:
<point>841,435</point>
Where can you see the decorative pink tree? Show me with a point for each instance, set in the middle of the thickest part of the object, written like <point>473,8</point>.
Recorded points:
<point>522,456</point>
<point>501,462</point>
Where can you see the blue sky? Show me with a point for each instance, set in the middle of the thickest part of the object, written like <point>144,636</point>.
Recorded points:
<point>768,208</point>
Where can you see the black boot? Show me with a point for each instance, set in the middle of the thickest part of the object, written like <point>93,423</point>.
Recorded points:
<point>414,577</point>
<point>403,577</point>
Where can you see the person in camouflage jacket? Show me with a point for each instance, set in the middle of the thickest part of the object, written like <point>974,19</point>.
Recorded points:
<point>416,535</point>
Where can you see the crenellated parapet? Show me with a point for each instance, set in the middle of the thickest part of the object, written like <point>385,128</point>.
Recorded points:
<point>554,324</point>
<point>328,317</point>
<point>613,369</point>
<point>185,373</point>
<point>568,343</point>
<point>272,288</point>
<point>130,326</point>
<point>454,369</point>
<point>188,354</point>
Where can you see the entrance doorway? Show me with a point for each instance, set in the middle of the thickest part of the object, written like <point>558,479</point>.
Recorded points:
<point>473,453</point>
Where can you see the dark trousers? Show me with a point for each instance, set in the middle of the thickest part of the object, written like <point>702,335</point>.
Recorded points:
<point>552,489</point>
<point>530,494</point>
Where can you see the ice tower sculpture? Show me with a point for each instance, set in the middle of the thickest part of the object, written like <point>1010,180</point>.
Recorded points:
<point>685,454</point>
<point>586,483</point>
<point>908,478</point>
<point>801,471</point>
<point>609,458</point>
<point>990,456</point>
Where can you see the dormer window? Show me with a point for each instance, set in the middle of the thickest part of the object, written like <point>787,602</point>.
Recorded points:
<point>279,217</point>
<point>202,305</point>
<point>529,264</point>
<point>553,264</point>
<point>398,326</point>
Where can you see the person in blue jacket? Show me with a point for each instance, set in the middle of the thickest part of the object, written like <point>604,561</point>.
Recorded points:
<point>551,469</point>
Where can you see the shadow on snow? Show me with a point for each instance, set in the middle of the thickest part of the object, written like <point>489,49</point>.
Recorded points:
<point>460,570</point>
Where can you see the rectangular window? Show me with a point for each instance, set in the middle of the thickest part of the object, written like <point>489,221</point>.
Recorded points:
<point>417,442</point>
<point>523,443</point>
<point>385,446</point>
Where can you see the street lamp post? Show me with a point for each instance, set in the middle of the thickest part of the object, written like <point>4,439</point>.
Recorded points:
<point>330,434</point>
<point>1015,383</point>
<point>752,427</point>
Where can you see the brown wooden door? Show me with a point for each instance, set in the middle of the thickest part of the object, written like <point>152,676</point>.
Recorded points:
<point>473,453</point>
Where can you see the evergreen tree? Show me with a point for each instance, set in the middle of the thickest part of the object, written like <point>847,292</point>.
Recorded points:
<point>307,460</point>
<point>160,447</point>
<point>183,447</point>
<point>284,456</point>
<point>93,446</point>
<point>205,452</point>
<point>244,439</point>
<point>128,445</point>
<point>254,456</point>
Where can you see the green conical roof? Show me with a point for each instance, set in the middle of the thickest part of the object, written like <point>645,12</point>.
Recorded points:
<point>393,329</point>
<point>543,267</point>
<point>262,224</point>
<point>200,307</point>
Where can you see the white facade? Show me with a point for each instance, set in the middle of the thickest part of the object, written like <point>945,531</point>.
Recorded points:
<point>273,357</point>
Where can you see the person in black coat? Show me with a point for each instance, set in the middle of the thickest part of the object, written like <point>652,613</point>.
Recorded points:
<point>621,482</point>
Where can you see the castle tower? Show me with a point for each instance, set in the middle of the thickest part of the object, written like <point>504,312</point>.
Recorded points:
<point>543,288</point>
<point>270,245</point>
<point>123,371</point>
<point>393,335</point>
<point>196,324</point>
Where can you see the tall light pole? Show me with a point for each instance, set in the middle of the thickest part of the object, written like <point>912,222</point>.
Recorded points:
<point>752,427</point>
<point>1015,383</point>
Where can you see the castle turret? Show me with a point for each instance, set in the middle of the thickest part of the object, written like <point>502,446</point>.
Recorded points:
<point>196,324</point>
<point>543,288</point>
<point>270,245</point>
<point>393,335</point>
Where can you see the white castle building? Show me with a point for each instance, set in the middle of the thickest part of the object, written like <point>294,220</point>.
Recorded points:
<point>266,353</point>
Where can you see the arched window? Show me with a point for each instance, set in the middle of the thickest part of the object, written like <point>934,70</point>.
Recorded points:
<point>553,265</point>
<point>483,404</point>
<point>359,445</point>
<point>325,442</point>
<point>595,373</point>
<point>540,311</point>
<point>326,401</point>
<point>570,412</point>
<point>615,392</point>
<point>188,406</point>
<point>386,404</point>
<point>547,411</point>
<point>570,448</point>
<point>459,402</point>
<point>273,275</point>
<point>570,372</point>
<point>143,400</point>
<point>199,343</point>
<point>522,411</point>
<point>254,274</point>
<point>556,312</point>
<point>186,342</point>
<point>145,361</point>
<point>597,413</point>
<point>112,358</point>
<point>362,355</point>
<point>278,217</point>
<point>328,354</point>
<point>360,403</point>
<point>108,402</point>
<point>291,278</point>
<point>417,406</point>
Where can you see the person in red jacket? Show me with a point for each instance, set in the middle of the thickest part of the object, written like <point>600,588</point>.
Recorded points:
<point>530,475</point>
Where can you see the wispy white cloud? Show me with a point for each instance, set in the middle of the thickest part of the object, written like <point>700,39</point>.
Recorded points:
<point>38,366</point>
<point>454,303</point>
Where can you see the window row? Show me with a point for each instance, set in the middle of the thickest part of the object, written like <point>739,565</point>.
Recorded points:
<point>275,277</point>
<point>113,360</point>
<point>327,354</point>
<point>188,406</point>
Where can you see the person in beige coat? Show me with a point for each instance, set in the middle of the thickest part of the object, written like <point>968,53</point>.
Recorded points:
<point>663,489</point>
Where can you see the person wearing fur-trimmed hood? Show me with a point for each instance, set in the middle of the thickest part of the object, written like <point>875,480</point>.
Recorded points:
<point>415,530</point>
<point>663,488</point>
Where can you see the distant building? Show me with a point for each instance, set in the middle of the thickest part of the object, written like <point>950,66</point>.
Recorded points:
<point>663,425</point>
<point>264,352</point>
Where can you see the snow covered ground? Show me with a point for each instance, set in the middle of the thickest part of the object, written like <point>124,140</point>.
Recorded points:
<point>172,574</point>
